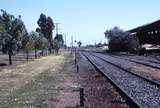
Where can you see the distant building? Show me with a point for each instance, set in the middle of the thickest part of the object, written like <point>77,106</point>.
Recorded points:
<point>148,33</point>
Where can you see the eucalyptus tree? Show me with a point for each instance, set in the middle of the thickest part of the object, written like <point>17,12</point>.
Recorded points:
<point>39,42</point>
<point>120,40</point>
<point>11,34</point>
<point>36,41</point>
<point>47,26</point>
<point>1,32</point>
<point>59,39</point>
<point>116,38</point>
<point>44,45</point>
<point>56,46</point>
<point>43,42</point>
<point>27,44</point>
<point>58,42</point>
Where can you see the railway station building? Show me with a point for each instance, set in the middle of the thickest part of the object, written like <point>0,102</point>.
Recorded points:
<point>148,33</point>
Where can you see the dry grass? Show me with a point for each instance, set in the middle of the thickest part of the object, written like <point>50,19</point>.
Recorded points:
<point>32,84</point>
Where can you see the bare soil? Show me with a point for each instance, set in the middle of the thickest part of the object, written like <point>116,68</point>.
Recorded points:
<point>69,94</point>
<point>17,59</point>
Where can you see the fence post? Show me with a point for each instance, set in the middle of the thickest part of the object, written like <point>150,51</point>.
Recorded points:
<point>81,97</point>
<point>77,68</point>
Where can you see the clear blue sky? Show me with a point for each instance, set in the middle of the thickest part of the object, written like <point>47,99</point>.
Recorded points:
<point>85,20</point>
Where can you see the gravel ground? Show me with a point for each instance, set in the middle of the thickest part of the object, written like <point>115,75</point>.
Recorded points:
<point>99,93</point>
<point>143,58</point>
<point>149,72</point>
<point>150,63</point>
<point>143,92</point>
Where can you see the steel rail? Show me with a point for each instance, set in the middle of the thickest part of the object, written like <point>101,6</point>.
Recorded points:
<point>133,73</point>
<point>135,61</point>
<point>129,100</point>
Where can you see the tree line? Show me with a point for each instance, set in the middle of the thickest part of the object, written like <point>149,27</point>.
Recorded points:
<point>14,36</point>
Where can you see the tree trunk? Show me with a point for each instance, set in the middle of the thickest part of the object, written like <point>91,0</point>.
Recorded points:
<point>35,54</point>
<point>42,53</point>
<point>57,51</point>
<point>50,51</point>
<point>10,58</point>
<point>27,56</point>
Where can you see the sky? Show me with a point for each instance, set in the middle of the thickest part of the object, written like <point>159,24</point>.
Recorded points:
<point>85,20</point>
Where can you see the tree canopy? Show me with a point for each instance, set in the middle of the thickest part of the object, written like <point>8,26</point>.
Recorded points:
<point>14,36</point>
<point>120,40</point>
<point>11,34</point>
<point>46,25</point>
<point>59,39</point>
<point>58,42</point>
<point>115,33</point>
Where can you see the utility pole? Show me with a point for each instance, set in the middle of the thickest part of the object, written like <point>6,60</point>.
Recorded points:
<point>72,44</point>
<point>101,40</point>
<point>57,28</point>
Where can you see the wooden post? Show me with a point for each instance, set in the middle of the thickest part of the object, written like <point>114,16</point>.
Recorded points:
<point>75,61</point>
<point>77,68</point>
<point>71,45</point>
<point>81,97</point>
<point>75,56</point>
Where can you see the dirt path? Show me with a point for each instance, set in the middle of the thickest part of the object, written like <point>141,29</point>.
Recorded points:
<point>33,84</point>
<point>69,95</point>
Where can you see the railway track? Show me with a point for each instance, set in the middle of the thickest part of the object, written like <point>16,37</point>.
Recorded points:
<point>152,64</point>
<point>154,60</point>
<point>149,79</point>
<point>137,90</point>
<point>148,63</point>
<point>145,59</point>
<point>157,58</point>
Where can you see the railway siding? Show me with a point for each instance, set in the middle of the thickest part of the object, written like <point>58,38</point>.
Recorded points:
<point>148,72</point>
<point>145,93</point>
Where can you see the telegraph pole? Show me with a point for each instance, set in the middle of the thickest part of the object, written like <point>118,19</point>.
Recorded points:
<point>57,28</point>
<point>72,44</point>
